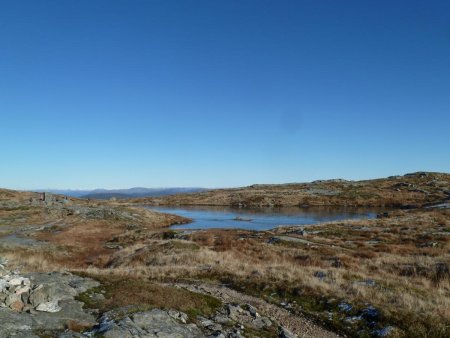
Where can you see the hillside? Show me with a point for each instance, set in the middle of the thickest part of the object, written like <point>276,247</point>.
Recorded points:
<point>122,193</point>
<point>12,198</point>
<point>415,189</point>
<point>137,192</point>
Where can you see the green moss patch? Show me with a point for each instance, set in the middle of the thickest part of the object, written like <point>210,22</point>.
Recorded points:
<point>141,295</point>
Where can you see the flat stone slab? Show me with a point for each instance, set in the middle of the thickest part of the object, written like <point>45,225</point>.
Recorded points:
<point>53,307</point>
<point>149,324</point>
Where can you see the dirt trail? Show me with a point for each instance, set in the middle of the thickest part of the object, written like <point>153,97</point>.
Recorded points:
<point>297,323</point>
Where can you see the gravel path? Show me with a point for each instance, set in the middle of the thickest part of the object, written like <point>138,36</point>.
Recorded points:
<point>298,324</point>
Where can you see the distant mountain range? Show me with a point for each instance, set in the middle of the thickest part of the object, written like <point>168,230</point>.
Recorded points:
<point>123,193</point>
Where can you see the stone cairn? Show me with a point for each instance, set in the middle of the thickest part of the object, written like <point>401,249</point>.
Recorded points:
<point>20,294</point>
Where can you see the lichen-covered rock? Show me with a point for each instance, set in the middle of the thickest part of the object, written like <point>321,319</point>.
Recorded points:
<point>154,323</point>
<point>160,323</point>
<point>51,291</point>
<point>49,306</point>
<point>14,323</point>
<point>41,301</point>
<point>261,323</point>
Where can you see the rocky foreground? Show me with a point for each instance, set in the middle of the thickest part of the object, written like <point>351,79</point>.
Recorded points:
<point>162,323</point>
<point>39,302</point>
<point>45,304</point>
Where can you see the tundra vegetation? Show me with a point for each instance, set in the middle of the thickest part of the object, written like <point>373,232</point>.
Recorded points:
<point>388,276</point>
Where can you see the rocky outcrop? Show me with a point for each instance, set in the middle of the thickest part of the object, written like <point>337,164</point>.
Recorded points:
<point>36,304</point>
<point>41,302</point>
<point>154,323</point>
<point>38,292</point>
<point>231,321</point>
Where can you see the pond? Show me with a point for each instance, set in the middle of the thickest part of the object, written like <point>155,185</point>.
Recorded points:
<point>207,217</point>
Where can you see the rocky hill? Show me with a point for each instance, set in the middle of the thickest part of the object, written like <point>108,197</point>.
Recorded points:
<point>415,189</point>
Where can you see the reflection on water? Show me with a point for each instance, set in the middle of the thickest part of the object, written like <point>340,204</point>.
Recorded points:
<point>205,217</point>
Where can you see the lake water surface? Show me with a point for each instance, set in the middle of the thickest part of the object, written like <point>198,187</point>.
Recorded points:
<point>206,217</point>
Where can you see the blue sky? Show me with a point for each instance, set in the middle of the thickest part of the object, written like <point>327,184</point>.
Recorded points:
<point>117,94</point>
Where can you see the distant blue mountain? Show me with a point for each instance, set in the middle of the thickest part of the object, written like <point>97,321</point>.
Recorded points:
<point>124,193</point>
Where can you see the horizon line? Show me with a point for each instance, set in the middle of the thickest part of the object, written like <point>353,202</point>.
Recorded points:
<point>224,187</point>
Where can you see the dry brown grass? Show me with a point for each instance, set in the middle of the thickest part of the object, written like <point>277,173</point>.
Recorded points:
<point>138,294</point>
<point>417,189</point>
<point>406,255</point>
<point>411,277</point>
<point>84,242</point>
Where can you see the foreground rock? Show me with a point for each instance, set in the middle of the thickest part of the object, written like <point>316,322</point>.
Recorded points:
<point>154,323</point>
<point>44,304</point>
<point>41,302</point>
<point>231,321</point>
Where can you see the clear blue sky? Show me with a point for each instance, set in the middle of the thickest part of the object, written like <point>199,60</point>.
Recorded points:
<point>221,93</point>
